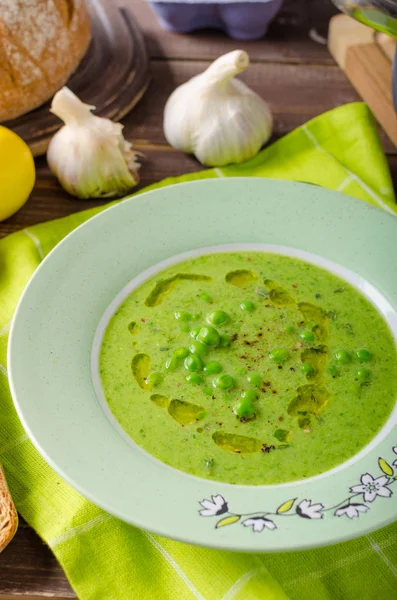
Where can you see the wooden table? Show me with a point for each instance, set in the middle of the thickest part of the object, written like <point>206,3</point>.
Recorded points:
<point>299,79</point>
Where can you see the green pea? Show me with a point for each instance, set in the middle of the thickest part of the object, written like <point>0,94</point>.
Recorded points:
<point>193,363</point>
<point>249,395</point>
<point>362,374</point>
<point>209,336</point>
<point>224,340</point>
<point>254,379</point>
<point>206,297</point>
<point>212,367</point>
<point>289,329</point>
<point>244,407</point>
<point>307,335</point>
<point>342,356</point>
<point>194,378</point>
<point>218,317</point>
<point>223,382</point>
<point>279,355</point>
<point>198,348</point>
<point>154,379</point>
<point>363,355</point>
<point>247,306</point>
<point>307,369</point>
<point>185,328</point>
<point>172,363</point>
<point>181,352</point>
<point>240,371</point>
<point>194,332</point>
<point>182,315</point>
<point>208,391</point>
<point>333,371</point>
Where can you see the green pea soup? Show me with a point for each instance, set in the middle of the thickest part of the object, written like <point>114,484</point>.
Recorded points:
<point>248,368</point>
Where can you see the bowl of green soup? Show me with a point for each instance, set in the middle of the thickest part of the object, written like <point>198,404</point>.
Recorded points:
<point>216,362</point>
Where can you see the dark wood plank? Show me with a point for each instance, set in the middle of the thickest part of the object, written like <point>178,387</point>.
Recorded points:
<point>49,201</point>
<point>287,41</point>
<point>296,93</point>
<point>29,569</point>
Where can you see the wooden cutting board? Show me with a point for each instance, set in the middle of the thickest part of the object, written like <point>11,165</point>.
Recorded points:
<point>113,75</point>
<point>366,57</point>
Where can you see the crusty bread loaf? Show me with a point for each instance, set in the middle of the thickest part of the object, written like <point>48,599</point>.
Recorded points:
<point>41,44</point>
<point>8,514</point>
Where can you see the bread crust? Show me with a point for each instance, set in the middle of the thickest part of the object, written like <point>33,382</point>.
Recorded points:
<point>41,43</point>
<point>8,514</point>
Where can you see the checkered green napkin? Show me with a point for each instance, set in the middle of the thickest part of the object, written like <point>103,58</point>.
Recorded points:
<point>106,559</point>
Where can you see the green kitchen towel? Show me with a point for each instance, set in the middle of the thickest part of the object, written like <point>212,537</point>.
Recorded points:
<point>106,559</point>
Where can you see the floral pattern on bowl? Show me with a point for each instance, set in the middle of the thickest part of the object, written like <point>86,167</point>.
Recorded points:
<point>370,488</point>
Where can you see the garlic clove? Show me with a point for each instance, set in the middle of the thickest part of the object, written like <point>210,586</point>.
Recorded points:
<point>69,108</point>
<point>217,117</point>
<point>227,66</point>
<point>89,154</point>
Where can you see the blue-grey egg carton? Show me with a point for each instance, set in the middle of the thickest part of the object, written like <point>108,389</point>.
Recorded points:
<point>239,20</point>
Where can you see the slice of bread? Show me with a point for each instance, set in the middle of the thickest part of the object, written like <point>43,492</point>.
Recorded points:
<point>8,514</point>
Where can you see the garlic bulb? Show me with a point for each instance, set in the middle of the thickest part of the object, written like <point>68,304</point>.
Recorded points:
<point>89,154</point>
<point>216,117</point>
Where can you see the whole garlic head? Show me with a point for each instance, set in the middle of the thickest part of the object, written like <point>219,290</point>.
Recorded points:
<point>217,117</point>
<point>89,154</point>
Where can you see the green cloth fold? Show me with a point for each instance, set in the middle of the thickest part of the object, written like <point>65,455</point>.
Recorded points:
<point>106,559</point>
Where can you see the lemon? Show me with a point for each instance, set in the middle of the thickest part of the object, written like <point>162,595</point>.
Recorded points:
<point>17,173</point>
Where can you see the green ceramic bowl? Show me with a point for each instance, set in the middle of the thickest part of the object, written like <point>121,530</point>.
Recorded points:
<point>52,343</point>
